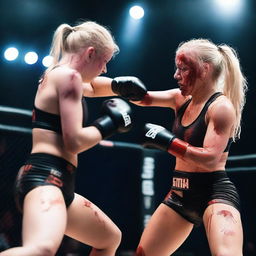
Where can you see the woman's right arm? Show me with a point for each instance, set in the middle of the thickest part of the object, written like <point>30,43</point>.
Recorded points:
<point>69,88</point>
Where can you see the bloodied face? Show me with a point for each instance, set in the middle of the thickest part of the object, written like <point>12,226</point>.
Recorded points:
<point>187,72</point>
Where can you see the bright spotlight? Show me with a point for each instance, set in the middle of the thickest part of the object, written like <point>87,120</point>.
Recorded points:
<point>47,61</point>
<point>136,12</point>
<point>31,58</point>
<point>229,6</point>
<point>11,53</point>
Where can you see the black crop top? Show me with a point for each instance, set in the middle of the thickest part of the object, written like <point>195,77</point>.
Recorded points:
<point>49,121</point>
<point>195,132</point>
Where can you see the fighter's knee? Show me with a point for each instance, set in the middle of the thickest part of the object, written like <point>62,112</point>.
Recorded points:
<point>117,236</point>
<point>140,251</point>
<point>111,240</point>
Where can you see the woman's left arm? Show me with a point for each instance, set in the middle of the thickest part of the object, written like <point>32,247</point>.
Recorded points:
<point>221,119</point>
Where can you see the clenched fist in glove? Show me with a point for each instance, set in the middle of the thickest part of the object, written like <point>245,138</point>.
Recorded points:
<point>129,87</point>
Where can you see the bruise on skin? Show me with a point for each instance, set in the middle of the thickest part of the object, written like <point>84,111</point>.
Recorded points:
<point>89,204</point>
<point>48,204</point>
<point>194,70</point>
<point>73,76</point>
<point>99,218</point>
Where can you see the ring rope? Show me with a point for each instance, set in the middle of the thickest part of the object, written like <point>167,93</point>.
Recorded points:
<point>103,143</point>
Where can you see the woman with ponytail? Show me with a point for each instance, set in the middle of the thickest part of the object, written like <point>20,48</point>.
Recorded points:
<point>208,106</point>
<point>45,185</point>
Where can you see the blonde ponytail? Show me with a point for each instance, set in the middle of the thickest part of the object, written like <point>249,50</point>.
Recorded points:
<point>58,42</point>
<point>234,83</point>
<point>227,73</point>
<point>68,39</point>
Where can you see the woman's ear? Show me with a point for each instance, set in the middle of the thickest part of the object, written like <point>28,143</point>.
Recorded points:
<point>89,54</point>
<point>205,70</point>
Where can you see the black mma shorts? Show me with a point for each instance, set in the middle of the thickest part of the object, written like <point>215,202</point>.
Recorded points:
<point>44,169</point>
<point>199,191</point>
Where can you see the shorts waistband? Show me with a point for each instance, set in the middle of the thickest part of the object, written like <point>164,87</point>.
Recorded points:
<point>44,158</point>
<point>196,180</point>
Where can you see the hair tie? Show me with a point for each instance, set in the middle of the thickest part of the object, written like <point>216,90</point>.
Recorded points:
<point>220,49</point>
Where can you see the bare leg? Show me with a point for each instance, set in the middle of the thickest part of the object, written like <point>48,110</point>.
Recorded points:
<point>224,230</point>
<point>89,225</point>
<point>165,232</point>
<point>44,223</point>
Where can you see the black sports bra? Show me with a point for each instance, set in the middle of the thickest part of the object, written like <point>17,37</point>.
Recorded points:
<point>195,132</point>
<point>48,121</point>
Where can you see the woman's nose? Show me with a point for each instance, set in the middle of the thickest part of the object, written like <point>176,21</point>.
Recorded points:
<point>176,74</point>
<point>104,70</point>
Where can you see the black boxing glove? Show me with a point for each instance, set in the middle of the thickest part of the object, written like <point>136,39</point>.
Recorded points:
<point>129,87</point>
<point>116,117</point>
<point>156,136</point>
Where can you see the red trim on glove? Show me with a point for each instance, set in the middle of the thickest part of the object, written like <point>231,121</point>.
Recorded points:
<point>178,148</point>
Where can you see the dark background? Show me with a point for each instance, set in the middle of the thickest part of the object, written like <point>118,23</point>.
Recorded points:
<point>147,51</point>
<point>112,177</point>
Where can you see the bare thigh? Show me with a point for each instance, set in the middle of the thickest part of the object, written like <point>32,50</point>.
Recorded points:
<point>44,217</point>
<point>165,232</point>
<point>89,225</point>
<point>224,229</point>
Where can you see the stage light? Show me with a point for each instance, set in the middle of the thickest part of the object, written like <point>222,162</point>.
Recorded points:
<point>47,61</point>
<point>136,12</point>
<point>229,7</point>
<point>31,58</point>
<point>11,53</point>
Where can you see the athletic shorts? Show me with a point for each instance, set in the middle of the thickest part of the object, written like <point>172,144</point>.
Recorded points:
<point>44,169</point>
<point>199,191</point>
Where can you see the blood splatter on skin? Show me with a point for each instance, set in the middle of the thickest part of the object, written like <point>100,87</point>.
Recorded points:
<point>194,70</point>
<point>225,213</point>
<point>227,229</point>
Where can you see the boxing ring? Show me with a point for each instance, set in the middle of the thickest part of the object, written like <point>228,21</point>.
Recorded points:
<point>141,182</point>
